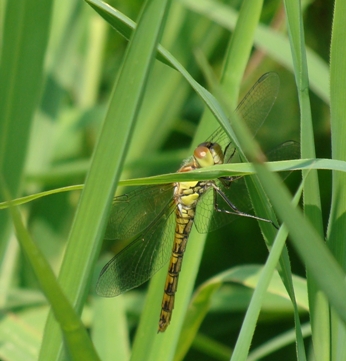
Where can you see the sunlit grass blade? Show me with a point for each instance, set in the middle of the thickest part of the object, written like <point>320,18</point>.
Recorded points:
<point>86,234</point>
<point>239,50</point>
<point>109,324</point>
<point>337,225</point>
<point>18,343</point>
<point>80,64</point>
<point>278,343</point>
<point>307,242</point>
<point>312,201</point>
<point>261,204</point>
<point>75,336</point>
<point>216,350</point>
<point>21,74</point>
<point>277,256</point>
<point>275,44</point>
<point>118,20</point>
<point>248,276</point>
<point>166,344</point>
<point>226,170</point>
<point>303,235</point>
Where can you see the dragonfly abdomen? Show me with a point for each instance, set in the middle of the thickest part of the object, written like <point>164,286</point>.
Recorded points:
<point>184,221</point>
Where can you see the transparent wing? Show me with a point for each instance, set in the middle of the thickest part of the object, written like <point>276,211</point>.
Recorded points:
<point>142,258</point>
<point>285,151</point>
<point>253,109</point>
<point>133,212</point>
<point>207,219</point>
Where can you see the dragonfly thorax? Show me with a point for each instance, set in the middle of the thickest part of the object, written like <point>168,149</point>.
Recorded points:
<point>187,194</point>
<point>208,154</point>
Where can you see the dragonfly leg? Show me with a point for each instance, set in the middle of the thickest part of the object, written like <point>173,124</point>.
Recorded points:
<point>234,209</point>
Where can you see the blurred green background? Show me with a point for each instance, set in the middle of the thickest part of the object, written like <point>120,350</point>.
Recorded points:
<point>81,62</point>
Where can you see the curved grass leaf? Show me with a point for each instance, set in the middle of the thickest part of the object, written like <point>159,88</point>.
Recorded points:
<point>225,170</point>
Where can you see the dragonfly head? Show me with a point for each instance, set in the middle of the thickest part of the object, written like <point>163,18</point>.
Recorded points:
<point>208,154</point>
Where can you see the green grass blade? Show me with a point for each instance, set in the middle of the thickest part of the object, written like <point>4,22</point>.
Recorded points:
<point>242,347</point>
<point>277,343</point>
<point>249,276</point>
<point>337,225</point>
<point>91,217</point>
<point>225,170</point>
<point>216,350</point>
<point>275,44</point>
<point>109,324</point>
<point>18,343</point>
<point>239,50</point>
<point>303,235</point>
<point>19,95</point>
<point>166,344</point>
<point>315,255</point>
<point>75,335</point>
<point>115,18</point>
<point>312,202</point>
<point>163,346</point>
<point>80,63</point>
<point>21,72</point>
<point>263,209</point>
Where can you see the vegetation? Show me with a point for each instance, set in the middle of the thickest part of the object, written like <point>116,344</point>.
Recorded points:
<point>86,101</point>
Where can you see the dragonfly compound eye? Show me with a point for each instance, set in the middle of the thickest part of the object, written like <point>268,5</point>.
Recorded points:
<point>203,156</point>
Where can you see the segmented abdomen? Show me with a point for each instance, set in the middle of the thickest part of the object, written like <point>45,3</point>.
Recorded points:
<point>184,222</point>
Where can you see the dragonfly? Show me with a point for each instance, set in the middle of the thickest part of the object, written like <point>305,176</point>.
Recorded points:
<point>159,218</point>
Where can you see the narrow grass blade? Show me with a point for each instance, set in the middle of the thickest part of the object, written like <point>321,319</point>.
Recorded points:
<point>166,344</point>
<point>277,343</point>
<point>226,170</point>
<point>216,350</point>
<point>21,72</point>
<point>17,343</point>
<point>317,258</point>
<point>275,44</point>
<point>118,21</point>
<point>239,50</point>
<point>275,256</point>
<point>74,333</point>
<point>86,234</point>
<point>263,208</point>
<point>109,324</point>
<point>304,237</point>
<point>337,224</point>
<point>312,202</point>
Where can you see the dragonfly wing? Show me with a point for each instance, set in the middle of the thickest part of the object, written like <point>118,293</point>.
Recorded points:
<point>257,103</point>
<point>141,259</point>
<point>131,213</point>
<point>253,109</point>
<point>285,151</point>
<point>208,219</point>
